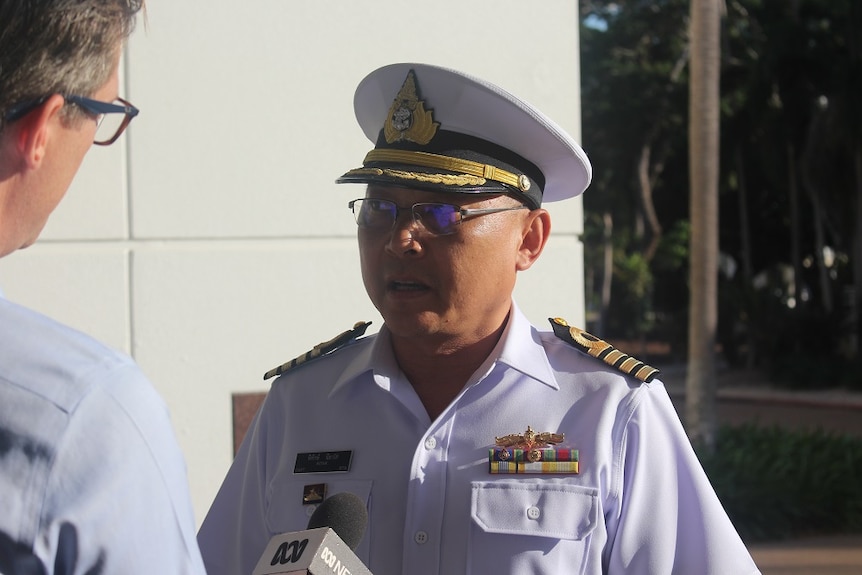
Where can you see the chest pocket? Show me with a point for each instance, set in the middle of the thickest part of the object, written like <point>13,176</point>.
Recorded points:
<point>531,527</point>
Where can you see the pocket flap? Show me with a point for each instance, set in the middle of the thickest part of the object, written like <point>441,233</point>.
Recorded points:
<point>553,510</point>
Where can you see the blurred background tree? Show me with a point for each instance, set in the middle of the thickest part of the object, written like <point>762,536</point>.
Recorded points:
<point>703,160</point>
<point>790,182</point>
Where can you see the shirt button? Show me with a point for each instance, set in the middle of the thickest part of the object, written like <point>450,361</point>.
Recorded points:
<point>533,513</point>
<point>420,537</point>
<point>430,443</point>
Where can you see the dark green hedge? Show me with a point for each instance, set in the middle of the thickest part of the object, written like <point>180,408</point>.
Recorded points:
<point>777,483</point>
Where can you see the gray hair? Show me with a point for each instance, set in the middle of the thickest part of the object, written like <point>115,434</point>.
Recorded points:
<point>59,46</point>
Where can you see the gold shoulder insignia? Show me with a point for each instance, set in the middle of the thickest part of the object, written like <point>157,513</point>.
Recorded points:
<point>602,350</point>
<point>321,349</point>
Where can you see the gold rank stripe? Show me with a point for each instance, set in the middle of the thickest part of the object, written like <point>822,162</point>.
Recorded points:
<point>451,164</point>
<point>601,349</point>
<point>321,349</point>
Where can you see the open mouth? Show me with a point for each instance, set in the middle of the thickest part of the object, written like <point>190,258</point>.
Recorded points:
<point>406,286</point>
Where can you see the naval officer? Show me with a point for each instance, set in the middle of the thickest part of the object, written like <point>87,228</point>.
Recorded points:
<point>480,443</point>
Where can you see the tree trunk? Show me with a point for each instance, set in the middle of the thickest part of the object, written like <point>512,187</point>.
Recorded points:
<point>795,233</point>
<point>745,241</point>
<point>826,299</point>
<point>705,27</point>
<point>856,318</point>
<point>645,184</point>
<point>812,189</point>
<point>607,271</point>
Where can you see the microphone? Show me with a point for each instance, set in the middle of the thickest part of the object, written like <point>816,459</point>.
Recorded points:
<point>17,559</point>
<point>345,513</point>
<point>326,547</point>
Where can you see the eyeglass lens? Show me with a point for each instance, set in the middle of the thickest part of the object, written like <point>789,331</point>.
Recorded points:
<point>381,215</point>
<point>109,125</point>
<point>111,117</point>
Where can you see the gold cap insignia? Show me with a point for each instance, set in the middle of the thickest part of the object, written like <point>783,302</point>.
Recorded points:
<point>407,119</point>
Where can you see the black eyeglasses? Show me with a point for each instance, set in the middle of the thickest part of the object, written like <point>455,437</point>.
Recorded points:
<point>437,219</point>
<point>112,118</point>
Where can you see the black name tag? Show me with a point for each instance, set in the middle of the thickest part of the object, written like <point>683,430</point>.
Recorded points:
<point>323,462</point>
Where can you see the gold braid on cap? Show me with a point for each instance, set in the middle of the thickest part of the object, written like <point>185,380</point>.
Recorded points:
<point>428,160</point>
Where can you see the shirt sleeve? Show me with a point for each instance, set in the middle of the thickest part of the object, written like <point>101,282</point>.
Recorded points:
<point>117,499</point>
<point>668,518</point>
<point>234,533</point>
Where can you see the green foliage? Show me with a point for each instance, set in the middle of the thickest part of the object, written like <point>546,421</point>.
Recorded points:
<point>634,272</point>
<point>633,286</point>
<point>791,81</point>
<point>634,89</point>
<point>673,251</point>
<point>777,483</point>
<point>801,347</point>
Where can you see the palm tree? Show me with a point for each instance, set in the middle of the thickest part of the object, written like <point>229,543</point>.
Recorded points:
<point>703,134</point>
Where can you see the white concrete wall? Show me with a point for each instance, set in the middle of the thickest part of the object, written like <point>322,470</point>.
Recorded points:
<point>211,243</point>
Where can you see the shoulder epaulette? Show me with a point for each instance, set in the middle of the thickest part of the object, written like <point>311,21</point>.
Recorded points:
<point>321,349</point>
<point>602,350</point>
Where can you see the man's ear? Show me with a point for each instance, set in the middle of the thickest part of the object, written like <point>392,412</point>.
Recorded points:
<point>537,229</point>
<point>35,130</point>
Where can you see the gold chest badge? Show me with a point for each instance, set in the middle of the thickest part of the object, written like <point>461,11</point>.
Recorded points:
<point>532,452</point>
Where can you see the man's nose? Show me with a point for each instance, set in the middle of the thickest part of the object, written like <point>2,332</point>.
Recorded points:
<point>404,233</point>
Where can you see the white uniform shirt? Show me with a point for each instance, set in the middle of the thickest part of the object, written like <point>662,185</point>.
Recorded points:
<point>91,477</point>
<point>640,504</point>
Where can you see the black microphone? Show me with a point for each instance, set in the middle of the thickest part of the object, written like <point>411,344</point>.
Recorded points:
<point>345,513</point>
<point>18,559</point>
<point>334,530</point>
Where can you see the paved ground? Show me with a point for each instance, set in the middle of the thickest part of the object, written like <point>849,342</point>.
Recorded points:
<point>745,396</point>
<point>839,555</point>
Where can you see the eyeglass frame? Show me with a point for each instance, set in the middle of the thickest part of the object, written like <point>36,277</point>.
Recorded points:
<point>456,209</point>
<point>90,106</point>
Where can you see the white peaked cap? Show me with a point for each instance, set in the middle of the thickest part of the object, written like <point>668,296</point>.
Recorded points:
<point>464,135</point>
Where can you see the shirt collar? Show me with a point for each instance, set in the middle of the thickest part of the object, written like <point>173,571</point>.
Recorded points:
<point>376,357</point>
<point>520,348</point>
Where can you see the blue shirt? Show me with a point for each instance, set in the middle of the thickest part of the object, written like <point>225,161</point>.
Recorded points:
<point>640,503</point>
<point>92,479</point>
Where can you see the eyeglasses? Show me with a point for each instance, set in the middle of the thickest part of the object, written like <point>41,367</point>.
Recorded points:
<point>112,118</point>
<point>437,219</point>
